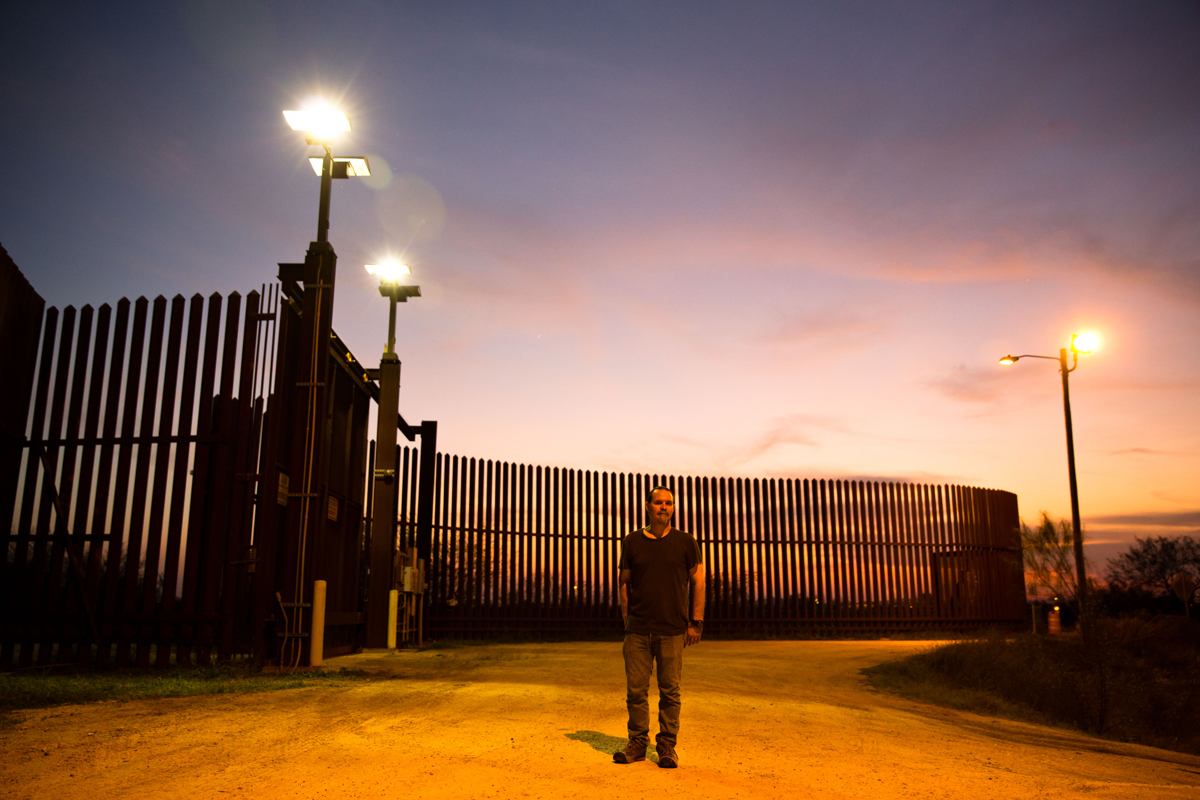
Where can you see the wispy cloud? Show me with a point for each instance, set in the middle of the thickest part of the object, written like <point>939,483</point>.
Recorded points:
<point>795,429</point>
<point>718,456</point>
<point>1145,451</point>
<point>928,478</point>
<point>974,384</point>
<point>1157,519</point>
<point>1113,529</point>
<point>541,56</point>
<point>1115,384</point>
<point>823,325</point>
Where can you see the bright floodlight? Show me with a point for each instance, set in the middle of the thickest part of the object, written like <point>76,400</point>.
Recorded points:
<point>320,121</point>
<point>1010,359</point>
<point>356,166</point>
<point>1085,342</point>
<point>389,271</point>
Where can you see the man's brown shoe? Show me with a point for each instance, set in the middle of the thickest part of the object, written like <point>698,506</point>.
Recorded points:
<point>631,753</point>
<point>666,756</point>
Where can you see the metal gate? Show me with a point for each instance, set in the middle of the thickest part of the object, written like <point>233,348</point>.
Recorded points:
<point>177,475</point>
<point>133,502</point>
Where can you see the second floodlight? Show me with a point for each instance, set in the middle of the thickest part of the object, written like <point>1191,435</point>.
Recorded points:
<point>350,167</point>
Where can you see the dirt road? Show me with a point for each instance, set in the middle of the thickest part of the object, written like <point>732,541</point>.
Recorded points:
<point>760,719</point>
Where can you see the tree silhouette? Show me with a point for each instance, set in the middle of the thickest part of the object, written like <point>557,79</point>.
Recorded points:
<point>1148,566</point>
<point>1050,557</point>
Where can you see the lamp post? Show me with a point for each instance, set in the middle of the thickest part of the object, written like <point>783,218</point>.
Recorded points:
<point>383,514</point>
<point>321,125</point>
<point>1080,343</point>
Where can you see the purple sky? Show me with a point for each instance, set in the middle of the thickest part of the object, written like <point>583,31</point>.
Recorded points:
<point>761,239</point>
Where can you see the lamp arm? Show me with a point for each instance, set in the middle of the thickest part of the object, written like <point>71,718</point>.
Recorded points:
<point>1059,359</point>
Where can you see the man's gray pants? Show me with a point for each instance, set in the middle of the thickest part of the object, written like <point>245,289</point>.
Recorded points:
<point>642,652</point>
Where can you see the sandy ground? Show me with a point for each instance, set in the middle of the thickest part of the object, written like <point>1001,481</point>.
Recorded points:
<point>760,719</point>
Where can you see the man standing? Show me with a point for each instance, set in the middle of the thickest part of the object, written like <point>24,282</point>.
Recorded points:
<point>658,566</point>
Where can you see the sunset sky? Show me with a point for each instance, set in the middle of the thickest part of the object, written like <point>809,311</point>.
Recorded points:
<point>755,239</point>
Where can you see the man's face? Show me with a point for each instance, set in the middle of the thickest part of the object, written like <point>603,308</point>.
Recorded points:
<point>661,506</point>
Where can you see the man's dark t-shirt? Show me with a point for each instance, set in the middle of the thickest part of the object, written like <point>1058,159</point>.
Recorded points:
<point>659,583</point>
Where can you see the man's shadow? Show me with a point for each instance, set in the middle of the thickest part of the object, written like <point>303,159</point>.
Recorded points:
<point>607,744</point>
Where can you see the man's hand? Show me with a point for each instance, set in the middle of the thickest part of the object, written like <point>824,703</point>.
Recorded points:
<point>623,579</point>
<point>697,579</point>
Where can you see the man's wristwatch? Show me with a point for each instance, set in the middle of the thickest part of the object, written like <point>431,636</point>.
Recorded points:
<point>698,624</point>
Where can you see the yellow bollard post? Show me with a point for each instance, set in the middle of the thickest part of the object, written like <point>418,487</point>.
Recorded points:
<point>316,637</point>
<point>420,602</point>
<point>393,598</point>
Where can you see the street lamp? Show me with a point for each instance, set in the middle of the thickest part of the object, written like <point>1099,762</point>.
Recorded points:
<point>383,512</point>
<point>1081,343</point>
<point>321,124</point>
<point>390,272</point>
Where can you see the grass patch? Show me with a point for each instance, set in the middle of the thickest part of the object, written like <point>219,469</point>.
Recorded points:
<point>1139,681</point>
<point>42,689</point>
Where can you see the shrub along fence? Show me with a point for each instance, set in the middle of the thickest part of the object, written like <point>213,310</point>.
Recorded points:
<point>532,552</point>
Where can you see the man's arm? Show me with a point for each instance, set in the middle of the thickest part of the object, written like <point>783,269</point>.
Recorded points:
<point>623,579</point>
<point>697,580</point>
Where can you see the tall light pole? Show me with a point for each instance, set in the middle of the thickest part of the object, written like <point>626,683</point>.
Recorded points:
<point>383,513</point>
<point>1080,343</point>
<point>321,125</point>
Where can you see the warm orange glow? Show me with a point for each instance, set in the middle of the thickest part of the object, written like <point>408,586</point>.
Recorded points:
<point>1008,360</point>
<point>1085,342</point>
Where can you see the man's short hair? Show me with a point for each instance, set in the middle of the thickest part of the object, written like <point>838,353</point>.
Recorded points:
<point>650,494</point>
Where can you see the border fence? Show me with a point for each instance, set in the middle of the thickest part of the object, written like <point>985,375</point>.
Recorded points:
<point>179,476</point>
<point>531,552</point>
